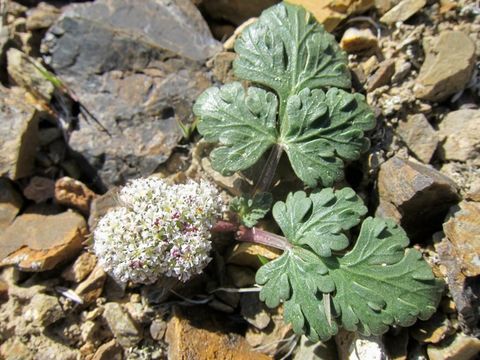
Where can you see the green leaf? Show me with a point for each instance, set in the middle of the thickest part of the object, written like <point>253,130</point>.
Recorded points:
<point>243,124</point>
<point>287,50</point>
<point>376,284</point>
<point>250,210</point>
<point>319,221</point>
<point>319,130</point>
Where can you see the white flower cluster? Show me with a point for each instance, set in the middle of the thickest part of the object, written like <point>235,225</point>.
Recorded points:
<point>158,230</point>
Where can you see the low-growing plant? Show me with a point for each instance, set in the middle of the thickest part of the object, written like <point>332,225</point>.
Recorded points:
<point>298,103</point>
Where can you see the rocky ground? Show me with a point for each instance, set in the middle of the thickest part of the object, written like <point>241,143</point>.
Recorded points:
<point>92,94</point>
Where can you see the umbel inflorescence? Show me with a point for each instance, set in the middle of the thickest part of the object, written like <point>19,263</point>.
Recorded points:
<point>158,230</point>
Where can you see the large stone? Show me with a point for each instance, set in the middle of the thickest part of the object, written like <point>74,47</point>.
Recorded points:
<point>461,130</point>
<point>10,203</point>
<point>415,195</point>
<point>198,335</point>
<point>18,134</point>
<point>419,136</point>
<point>403,11</point>
<point>35,242</point>
<point>448,66</point>
<point>331,13</point>
<point>461,348</point>
<point>121,324</point>
<point>137,69</point>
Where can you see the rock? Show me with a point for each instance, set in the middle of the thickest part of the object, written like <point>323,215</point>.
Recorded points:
<point>35,242</point>
<point>461,348</point>
<point>222,66</point>
<point>308,350</point>
<point>91,288</point>
<point>81,268</point>
<point>463,232</point>
<point>157,329</point>
<point>187,341</point>
<point>14,349</point>
<point>42,17</point>
<point>121,324</point>
<point>247,254</point>
<point>415,195</point>
<point>26,72</point>
<point>448,66</point>
<point>419,136</point>
<point>230,42</point>
<point>233,11</point>
<point>10,203</point>
<point>109,351</point>
<point>254,311</point>
<point>18,134</point>
<point>357,40</point>
<point>100,206</point>
<point>403,11</point>
<point>49,135</point>
<point>241,276</point>
<point>353,346</point>
<point>46,348</point>
<point>331,13</point>
<point>402,70</point>
<point>461,130</point>
<point>433,330</point>
<point>75,194</point>
<point>396,341</point>
<point>382,76</point>
<point>3,291</point>
<point>39,189</point>
<point>137,69</point>
<point>44,310</point>
<point>384,5</point>
<point>474,191</point>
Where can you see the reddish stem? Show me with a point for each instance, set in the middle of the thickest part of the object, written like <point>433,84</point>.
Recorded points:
<point>259,236</point>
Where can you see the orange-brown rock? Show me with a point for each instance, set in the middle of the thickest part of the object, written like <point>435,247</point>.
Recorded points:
<point>247,254</point>
<point>35,242</point>
<point>81,268</point>
<point>3,291</point>
<point>73,193</point>
<point>10,203</point>
<point>196,335</point>
<point>91,288</point>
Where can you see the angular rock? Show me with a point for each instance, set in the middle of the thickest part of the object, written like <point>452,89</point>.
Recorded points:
<point>91,288</point>
<point>42,17</point>
<point>109,351</point>
<point>10,203</point>
<point>415,195</point>
<point>331,13</point>
<point>39,189</point>
<point>254,311</point>
<point>187,341</point>
<point>461,130</point>
<point>81,268</point>
<point>233,11</point>
<point>357,40</point>
<point>419,136</point>
<point>222,66</point>
<point>382,76</point>
<point>3,291</point>
<point>73,193</point>
<point>354,346</point>
<point>18,134</point>
<point>403,11</point>
<point>384,5</point>
<point>121,324</point>
<point>448,66</point>
<point>461,348</point>
<point>44,310</point>
<point>35,242</point>
<point>433,330</point>
<point>463,232</point>
<point>247,254</point>
<point>137,69</point>
<point>157,329</point>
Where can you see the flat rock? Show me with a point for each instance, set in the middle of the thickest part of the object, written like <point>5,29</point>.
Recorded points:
<point>81,268</point>
<point>415,195</point>
<point>137,69</point>
<point>463,231</point>
<point>203,337</point>
<point>461,131</point>
<point>433,330</point>
<point>461,348</point>
<point>419,136</point>
<point>403,11</point>
<point>39,189</point>
<point>35,242</point>
<point>382,76</point>
<point>383,6</point>
<point>247,254</point>
<point>121,324</point>
<point>357,40</point>
<point>10,203</point>
<point>330,13</point>
<point>254,311</point>
<point>18,134</point>
<point>74,194</point>
<point>109,351</point>
<point>91,288</point>
<point>448,66</point>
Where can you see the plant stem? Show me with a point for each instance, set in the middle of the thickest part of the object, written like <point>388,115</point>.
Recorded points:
<point>266,176</point>
<point>259,236</point>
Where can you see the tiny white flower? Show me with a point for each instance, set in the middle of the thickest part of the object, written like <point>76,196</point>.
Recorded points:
<point>158,230</point>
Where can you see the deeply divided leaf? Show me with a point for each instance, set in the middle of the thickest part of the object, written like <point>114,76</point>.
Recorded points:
<point>252,209</point>
<point>287,50</point>
<point>376,284</point>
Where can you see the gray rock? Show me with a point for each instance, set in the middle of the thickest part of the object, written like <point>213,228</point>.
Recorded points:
<point>18,134</point>
<point>44,310</point>
<point>10,203</point>
<point>403,11</point>
<point>354,346</point>
<point>419,136</point>
<point>462,347</point>
<point>461,130</point>
<point>137,69</point>
<point>121,324</point>
<point>42,17</point>
<point>448,66</point>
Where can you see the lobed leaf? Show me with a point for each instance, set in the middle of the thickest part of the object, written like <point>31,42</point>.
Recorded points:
<point>252,209</point>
